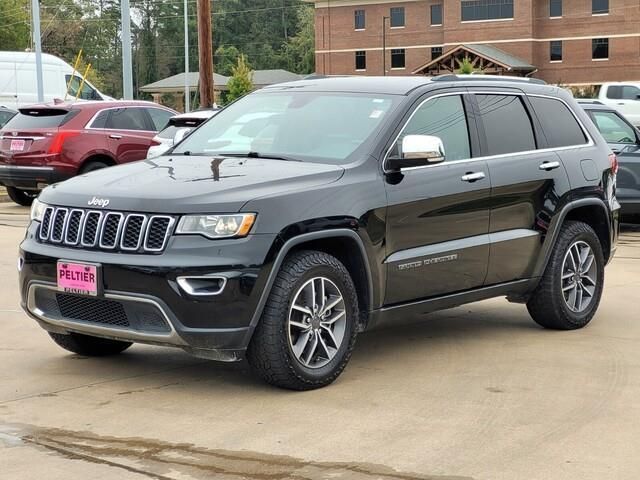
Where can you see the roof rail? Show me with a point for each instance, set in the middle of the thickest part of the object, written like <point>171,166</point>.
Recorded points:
<point>487,78</point>
<point>589,101</point>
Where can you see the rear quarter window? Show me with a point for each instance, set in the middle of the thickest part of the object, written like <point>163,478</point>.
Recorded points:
<point>560,125</point>
<point>40,118</point>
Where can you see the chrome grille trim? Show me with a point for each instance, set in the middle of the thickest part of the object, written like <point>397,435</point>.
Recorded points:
<point>134,232</point>
<point>166,234</point>
<point>105,223</point>
<point>45,226</point>
<point>76,240</point>
<point>140,235</point>
<point>58,224</point>
<point>89,215</point>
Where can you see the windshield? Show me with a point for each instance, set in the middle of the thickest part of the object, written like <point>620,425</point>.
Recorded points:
<point>308,126</point>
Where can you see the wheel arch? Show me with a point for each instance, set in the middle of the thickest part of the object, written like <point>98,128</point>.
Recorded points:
<point>346,245</point>
<point>96,157</point>
<point>591,211</point>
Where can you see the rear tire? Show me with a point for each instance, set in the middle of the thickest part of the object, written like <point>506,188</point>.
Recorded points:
<point>94,165</point>
<point>89,346</point>
<point>22,197</point>
<point>569,292</point>
<point>309,325</point>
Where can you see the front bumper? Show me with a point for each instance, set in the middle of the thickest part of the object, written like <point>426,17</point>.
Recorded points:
<point>30,178</point>
<point>142,300</point>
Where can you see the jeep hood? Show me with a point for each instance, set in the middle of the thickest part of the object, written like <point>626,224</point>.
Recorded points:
<point>183,184</point>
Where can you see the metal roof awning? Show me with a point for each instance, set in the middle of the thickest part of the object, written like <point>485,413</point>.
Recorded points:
<point>485,58</point>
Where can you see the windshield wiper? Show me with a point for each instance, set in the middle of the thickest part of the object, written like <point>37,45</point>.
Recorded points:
<point>271,156</point>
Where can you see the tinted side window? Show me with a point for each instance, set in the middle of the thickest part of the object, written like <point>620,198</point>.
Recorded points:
<point>560,126</point>
<point>614,92</point>
<point>74,84</point>
<point>629,92</point>
<point>442,117</point>
<point>613,128</point>
<point>507,125</point>
<point>101,120</point>
<point>159,117</point>
<point>127,119</point>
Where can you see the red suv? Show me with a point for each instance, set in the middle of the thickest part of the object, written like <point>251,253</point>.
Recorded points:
<point>44,144</point>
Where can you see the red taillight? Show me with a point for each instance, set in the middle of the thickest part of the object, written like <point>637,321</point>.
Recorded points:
<point>613,161</point>
<point>58,141</point>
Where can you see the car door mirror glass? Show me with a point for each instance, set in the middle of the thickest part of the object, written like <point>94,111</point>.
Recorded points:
<point>180,135</point>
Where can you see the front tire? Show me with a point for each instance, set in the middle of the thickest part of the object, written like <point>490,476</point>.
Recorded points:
<point>89,346</point>
<point>569,292</point>
<point>308,328</point>
<point>21,197</point>
<point>94,165</point>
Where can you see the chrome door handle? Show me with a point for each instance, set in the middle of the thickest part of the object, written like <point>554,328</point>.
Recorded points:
<point>472,177</point>
<point>115,137</point>
<point>549,166</point>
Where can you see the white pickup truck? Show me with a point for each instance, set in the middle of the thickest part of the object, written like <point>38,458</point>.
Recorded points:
<point>624,97</point>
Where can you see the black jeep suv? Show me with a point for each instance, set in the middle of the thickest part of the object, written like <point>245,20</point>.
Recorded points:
<point>308,211</point>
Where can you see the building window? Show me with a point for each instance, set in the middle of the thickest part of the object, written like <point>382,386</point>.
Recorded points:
<point>436,52</point>
<point>599,7</point>
<point>555,50</point>
<point>474,10</point>
<point>555,8</point>
<point>397,58</point>
<point>397,17</point>
<point>359,20</point>
<point>361,60</point>
<point>600,48</point>
<point>436,14</point>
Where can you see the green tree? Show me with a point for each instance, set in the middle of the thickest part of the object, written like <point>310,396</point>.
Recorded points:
<point>241,82</point>
<point>14,25</point>
<point>226,58</point>
<point>299,51</point>
<point>466,67</point>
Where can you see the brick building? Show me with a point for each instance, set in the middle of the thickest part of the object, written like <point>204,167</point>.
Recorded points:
<point>574,42</point>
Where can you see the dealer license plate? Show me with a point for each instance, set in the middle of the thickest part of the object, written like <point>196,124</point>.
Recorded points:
<point>79,278</point>
<point>17,145</point>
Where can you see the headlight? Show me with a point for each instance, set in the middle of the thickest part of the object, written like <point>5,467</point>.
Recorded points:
<point>217,226</point>
<point>37,210</point>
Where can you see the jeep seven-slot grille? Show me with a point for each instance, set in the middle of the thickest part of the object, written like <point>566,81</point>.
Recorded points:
<point>113,231</point>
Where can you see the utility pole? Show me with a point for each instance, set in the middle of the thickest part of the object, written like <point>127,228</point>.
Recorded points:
<point>205,53</point>
<point>384,45</point>
<point>187,92</point>
<point>35,9</point>
<point>127,73</point>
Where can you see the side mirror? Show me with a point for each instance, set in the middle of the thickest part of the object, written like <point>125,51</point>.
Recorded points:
<point>180,135</point>
<point>417,151</point>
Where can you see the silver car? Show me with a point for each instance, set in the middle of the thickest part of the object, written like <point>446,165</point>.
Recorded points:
<point>183,123</point>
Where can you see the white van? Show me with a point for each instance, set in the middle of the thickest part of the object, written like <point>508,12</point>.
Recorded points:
<point>18,80</point>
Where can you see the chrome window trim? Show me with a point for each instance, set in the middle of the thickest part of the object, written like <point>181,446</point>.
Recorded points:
<point>79,235</point>
<point>183,282</point>
<point>118,230</point>
<point>171,337</point>
<point>145,219</point>
<point>589,142</point>
<point>166,236</point>
<point>98,228</point>
<point>53,221</point>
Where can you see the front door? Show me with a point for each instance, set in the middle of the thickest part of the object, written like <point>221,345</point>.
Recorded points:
<point>438,215</point>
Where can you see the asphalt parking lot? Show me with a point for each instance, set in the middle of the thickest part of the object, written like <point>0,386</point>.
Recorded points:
<point>477,392</point>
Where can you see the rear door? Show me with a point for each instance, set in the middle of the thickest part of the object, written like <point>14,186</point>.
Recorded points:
<point>528,182</point>
<point>438,215</point>
<point>129,133</point>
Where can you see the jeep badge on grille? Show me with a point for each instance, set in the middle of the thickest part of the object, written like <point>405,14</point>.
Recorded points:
<point>98,202</point>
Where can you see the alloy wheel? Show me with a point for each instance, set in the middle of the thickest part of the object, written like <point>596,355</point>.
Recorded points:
<point>317,322</point>
<point>579,276</point>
